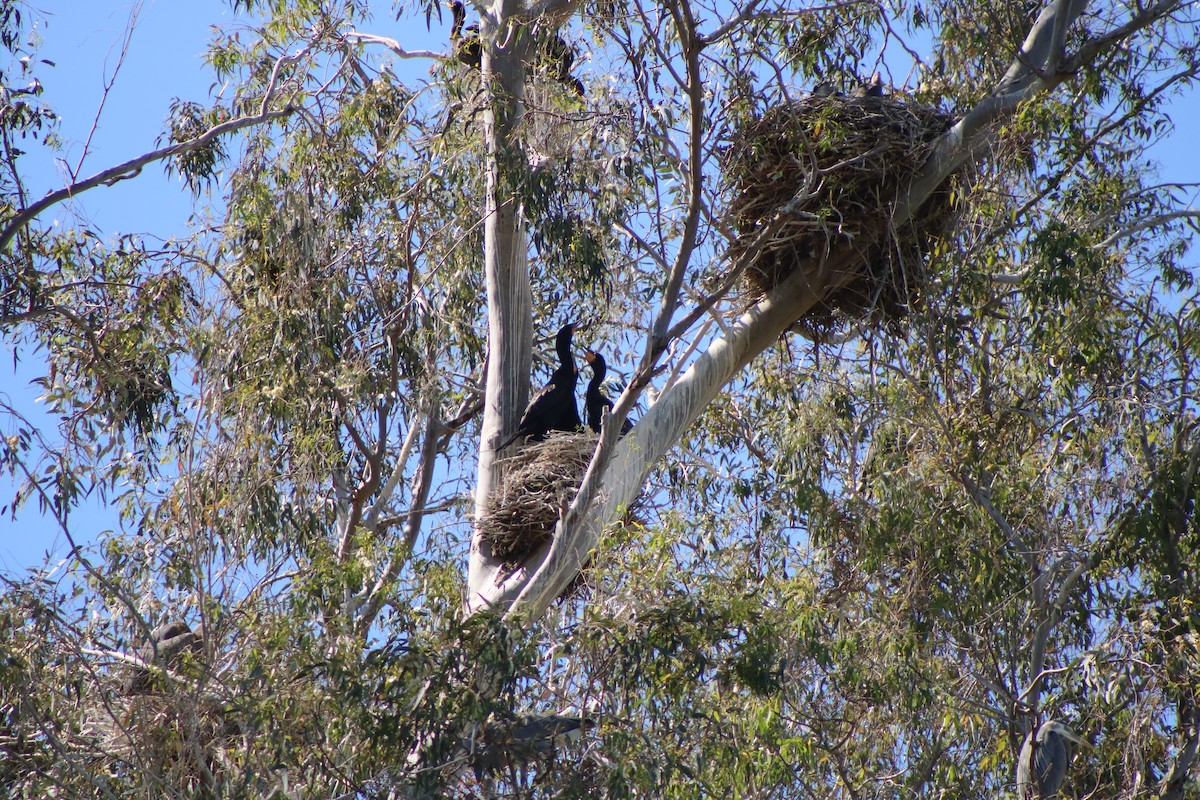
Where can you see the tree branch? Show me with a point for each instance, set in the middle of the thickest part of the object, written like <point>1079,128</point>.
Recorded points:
<point>506,268</point>
<point>393,45</point>
<point>608,488</point>
<point>1027,76</point>
<point>1147,223</point>
<point>134,166</point>
<point>423,479</point>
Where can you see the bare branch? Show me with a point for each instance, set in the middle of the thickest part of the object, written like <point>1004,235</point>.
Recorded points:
<point>1051,615</point>
<point>738,19</point>
<point>372,513</point>
<point>134,166</point>
<point>1147,224</point>
<point>970,137</point>
<point>423,479</point>
<point>393,45</point>
<point>695,175</point>
<point>109,80</point>
<point>981,496</point>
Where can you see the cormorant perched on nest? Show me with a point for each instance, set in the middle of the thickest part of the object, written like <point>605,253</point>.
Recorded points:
<point>166,647</point>
<point>553,408</point>
<point>467,48</point>
<point>594,400</point>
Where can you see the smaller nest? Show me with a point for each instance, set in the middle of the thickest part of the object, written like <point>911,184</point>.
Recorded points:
<point>539,483</point>
<point>823,171</point>
<point>185,739</point>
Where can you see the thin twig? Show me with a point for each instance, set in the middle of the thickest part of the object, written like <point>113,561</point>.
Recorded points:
<point>134,166</point>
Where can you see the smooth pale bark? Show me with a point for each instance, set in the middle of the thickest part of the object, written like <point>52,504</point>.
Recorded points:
<point>510,303</point>
<point>506,249</point>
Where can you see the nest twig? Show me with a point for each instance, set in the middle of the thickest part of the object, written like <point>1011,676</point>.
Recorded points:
<point>539,483</point>
<point>826,170</point>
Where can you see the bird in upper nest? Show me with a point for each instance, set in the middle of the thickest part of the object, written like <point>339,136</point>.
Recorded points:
<point>825,88</point>
<point>467,47</point>
<point>872,89</point>
<point>557,58</point>
<point>594,400</point>
<point>1042,763</point>
<point>554,407</point>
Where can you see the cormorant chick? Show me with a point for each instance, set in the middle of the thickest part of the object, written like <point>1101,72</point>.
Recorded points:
<point>872,89</point>
<point>467,47</point>
<point>594,400</point>
<point>554,407</point>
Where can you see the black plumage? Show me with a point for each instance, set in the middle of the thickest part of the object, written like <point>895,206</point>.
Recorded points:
<point>554,407</point>
<point>594,400</point>
<point>557,58</point>
<point>467,47</point>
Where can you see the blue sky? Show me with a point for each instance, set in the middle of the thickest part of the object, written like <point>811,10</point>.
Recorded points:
<point>165,60</point>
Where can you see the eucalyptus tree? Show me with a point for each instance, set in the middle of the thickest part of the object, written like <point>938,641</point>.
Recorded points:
<point>859,566</point>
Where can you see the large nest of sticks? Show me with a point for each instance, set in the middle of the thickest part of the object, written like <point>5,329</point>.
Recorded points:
<point>539,483</point>
<point>824,171</point>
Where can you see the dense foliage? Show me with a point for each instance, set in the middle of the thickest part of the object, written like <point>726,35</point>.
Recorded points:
<point>871,565</point>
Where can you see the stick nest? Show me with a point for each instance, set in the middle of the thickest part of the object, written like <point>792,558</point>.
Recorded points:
<point>181,737</point>
<point>823,171</point>
<point>539,483</point>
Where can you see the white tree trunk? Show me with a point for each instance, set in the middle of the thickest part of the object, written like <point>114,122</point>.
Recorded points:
<point>506,264</point>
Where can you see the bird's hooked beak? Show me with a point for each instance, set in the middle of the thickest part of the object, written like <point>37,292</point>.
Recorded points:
<point>589,355</point>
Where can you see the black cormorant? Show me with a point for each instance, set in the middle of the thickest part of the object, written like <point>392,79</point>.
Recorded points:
<point>558,58</point>
<point>467,48</point>
<point>554,407</point>
<point>594,400</point>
